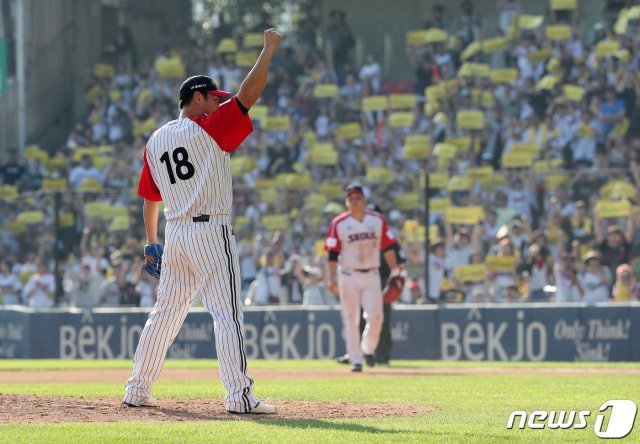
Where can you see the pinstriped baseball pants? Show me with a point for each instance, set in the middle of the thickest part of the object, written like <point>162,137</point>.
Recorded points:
<point>360,290</point>
<point>197,257</point>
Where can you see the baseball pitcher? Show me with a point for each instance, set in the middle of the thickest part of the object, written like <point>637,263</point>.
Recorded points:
<point>187,165</point>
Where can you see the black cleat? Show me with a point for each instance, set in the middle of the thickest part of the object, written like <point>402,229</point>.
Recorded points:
<point>356,368</point>
<point>370,360</point>
<point>344,359</point>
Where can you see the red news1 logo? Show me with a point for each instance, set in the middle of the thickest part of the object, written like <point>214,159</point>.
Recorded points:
<point>621,419</point>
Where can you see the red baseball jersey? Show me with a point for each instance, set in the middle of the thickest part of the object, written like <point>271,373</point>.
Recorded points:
<point>358,243</point>
<point>187,163</point>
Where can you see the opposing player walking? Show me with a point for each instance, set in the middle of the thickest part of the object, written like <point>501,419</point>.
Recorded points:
<point>355,238</point>
<point>187,166</point>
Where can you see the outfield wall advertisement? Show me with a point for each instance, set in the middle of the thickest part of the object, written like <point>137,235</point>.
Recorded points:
<point>462,332</point>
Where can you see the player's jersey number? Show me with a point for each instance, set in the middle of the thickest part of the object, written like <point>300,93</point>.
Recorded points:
<point>184,168</point>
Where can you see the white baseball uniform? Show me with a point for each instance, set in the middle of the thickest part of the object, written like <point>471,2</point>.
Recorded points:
<point>187,165</point>
<point>358,244</point>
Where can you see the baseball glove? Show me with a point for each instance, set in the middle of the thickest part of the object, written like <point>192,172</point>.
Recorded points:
<point>153,256</point>
<point>393,289</point>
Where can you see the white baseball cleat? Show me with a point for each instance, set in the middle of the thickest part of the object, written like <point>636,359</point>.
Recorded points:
<point>261,408</point>
<point>149,401</point>
<point>264,408</point>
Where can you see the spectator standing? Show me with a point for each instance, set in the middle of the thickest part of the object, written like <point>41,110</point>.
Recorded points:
<point>10,285</point>
<point>539,272</point>
<point>147,288</point>
<point>12,170</point>
<point>109,294</point>
<point>340,37</point>
<point>437,18</point>
<point>437,268</point>
<point>85,170</point>
<point>595,279</point>
<point>568,287</point>
<point>39,292</point>
<point>248,255</point>
<point>612,112</point>
<point>86,287</point>
<point>614,248</point>
<point>469,24</point>
<point>313,293</point>
<point>507,10</point>
<point>370,75</point>
<point>626,287</point>
<point>460,245</point>
<point>266,289</point>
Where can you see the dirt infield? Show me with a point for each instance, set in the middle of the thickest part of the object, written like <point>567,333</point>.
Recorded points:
<point>56,409</point>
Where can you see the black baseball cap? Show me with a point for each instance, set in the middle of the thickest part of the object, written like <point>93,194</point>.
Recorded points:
<point>199,83</point>
<point>354,188</point>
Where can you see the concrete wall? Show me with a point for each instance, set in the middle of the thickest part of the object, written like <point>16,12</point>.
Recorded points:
<point>64,39</point>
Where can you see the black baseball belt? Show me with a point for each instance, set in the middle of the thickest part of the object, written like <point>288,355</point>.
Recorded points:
<point>202,218</point>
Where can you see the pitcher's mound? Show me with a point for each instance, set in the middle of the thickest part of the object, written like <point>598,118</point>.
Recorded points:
<point>53,409</point>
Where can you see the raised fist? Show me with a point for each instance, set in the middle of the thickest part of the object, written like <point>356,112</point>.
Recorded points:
<point>272,38</point>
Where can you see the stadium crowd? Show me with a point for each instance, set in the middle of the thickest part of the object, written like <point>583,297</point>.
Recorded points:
<point>529,136</point>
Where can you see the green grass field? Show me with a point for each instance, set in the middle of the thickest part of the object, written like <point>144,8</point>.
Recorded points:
<point>471,408</point>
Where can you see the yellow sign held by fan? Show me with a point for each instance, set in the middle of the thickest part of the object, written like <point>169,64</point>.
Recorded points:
<point>325,90</point>
<point>379,175</point>
<point>435,35</point>
<point>437,180</point>
<point>558,33</point>
<point>504,75</point>
<point>494,44</point>
<point>439,205</point>
<point>350,131</point>
<point>402,101</point>
<point>227,46</point>
<point>275,221</point>
<point>472,49</point>
<point>464,215</point>
<point>530,21</point>
<point>408,201</point>
<point>417,37</point>
<point>530,148</point>
<point>104,70</point>
<point>278,123</point>
<point>259,113</point>
<point>573,92</point>
<point>517,160</point>
<point>401,119</point>
<point>253,40</point>
<point>470,273</point>
<point>170,68</point>
<point>612,208</point>
<point>331,190</point>
<point>607,48</point>
<point>458,183</point>
<point>375,103</point>
<point>470,119</point>
<point>563,4</point>
<point>31,217</point>
<point>324,154</point>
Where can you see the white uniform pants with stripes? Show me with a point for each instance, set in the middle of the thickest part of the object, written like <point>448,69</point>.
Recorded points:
<point>357,290</point>
<point>197,257</point>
